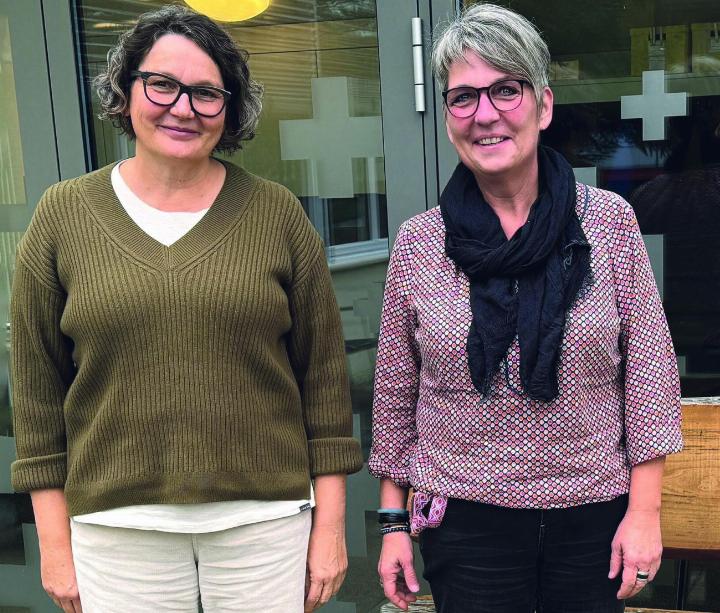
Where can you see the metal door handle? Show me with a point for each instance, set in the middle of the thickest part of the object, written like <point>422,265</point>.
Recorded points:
<point>418,64</point>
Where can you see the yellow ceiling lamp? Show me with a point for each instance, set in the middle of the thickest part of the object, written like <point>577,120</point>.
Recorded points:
<point>229,10</point>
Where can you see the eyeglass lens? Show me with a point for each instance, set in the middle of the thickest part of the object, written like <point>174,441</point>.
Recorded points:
<point>504,96</point>
<point>164,91</point>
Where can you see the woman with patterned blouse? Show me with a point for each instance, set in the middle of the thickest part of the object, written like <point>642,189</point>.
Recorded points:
<point>526,385</point>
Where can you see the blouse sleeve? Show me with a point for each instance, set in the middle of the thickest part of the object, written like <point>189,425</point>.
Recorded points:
<point>397,371</point>
<point>652,385</point>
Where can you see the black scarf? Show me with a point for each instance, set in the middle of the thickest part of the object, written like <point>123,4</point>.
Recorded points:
<point>549,257</point>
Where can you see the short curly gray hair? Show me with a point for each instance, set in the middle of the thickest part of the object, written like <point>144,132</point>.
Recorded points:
<point>113,85</point>
<point>504,39</point>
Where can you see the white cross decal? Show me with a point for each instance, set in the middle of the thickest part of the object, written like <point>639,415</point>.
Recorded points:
<point>654,105</point>
<point>331,139</point>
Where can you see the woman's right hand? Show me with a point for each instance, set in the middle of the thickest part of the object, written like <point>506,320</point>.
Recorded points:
<point>57,568</point>
<point>57,571</point>
<point>396,570</point>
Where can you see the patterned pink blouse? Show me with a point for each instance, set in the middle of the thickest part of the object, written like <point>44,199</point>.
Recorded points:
<point>619,401</point>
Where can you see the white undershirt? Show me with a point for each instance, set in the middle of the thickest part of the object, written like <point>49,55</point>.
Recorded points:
<point>166,227</point>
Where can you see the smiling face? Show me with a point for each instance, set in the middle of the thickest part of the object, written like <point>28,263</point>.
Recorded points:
<point>496,145</point>
<point>175,132</point>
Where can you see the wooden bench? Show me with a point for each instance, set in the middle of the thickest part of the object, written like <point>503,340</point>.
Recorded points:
<point>690,503</point>
<point>691,495</point>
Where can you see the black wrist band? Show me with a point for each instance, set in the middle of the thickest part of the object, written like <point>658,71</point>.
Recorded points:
<point>393,517</point>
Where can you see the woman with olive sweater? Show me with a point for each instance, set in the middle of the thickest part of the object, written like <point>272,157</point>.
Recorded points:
<point>177,356</point>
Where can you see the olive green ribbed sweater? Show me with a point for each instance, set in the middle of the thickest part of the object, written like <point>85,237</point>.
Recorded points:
<point>209,370</point>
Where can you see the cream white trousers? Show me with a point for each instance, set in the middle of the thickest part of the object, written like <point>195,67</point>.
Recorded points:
<point>258,568</point>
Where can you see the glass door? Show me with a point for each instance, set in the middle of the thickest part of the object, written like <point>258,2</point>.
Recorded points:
<point>637,112</point>
<point>340,128</point>
<point>28,164</point>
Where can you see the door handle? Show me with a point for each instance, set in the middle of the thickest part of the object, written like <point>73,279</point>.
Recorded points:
<point>418,64</point>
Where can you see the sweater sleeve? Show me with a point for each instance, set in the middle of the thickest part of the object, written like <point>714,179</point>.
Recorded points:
<point>397,371</point>
<point>652,385</point>
<point>42,368</point>
<point>317,354</point>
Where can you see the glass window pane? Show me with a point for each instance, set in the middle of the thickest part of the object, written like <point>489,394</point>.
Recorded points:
<point>26,129</point>
<point>703,586</point>
<point>12,173</point>
<point>637,111</point>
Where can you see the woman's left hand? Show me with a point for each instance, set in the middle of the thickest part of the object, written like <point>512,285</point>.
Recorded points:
<point>637,546</point>
<point>326,564</point>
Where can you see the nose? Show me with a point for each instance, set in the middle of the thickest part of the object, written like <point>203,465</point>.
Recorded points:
<point>182,107</point>
<point>485,111</point>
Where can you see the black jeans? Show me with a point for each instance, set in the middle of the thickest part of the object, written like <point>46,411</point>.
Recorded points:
<point>488,559</point>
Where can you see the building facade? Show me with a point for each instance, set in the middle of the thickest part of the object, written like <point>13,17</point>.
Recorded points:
<point>354,127</point>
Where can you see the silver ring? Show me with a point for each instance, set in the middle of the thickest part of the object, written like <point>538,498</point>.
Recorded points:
<point>642,576</point>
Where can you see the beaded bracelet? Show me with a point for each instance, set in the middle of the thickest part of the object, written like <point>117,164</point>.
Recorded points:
<point>393,524</point>
<point>391,529</point>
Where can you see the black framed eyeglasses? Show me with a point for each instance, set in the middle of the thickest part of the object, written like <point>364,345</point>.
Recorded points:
<point>163,90</point>
<point>505,95</point>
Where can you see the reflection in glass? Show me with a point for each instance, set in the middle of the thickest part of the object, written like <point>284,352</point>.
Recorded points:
<point>672,178</point>
<point>12,172</point>
<point>12,192</point>
<point>8,242</point>
<point>15,568</point>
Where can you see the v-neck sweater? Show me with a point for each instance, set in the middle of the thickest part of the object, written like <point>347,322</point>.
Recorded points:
<point>209,370</point>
